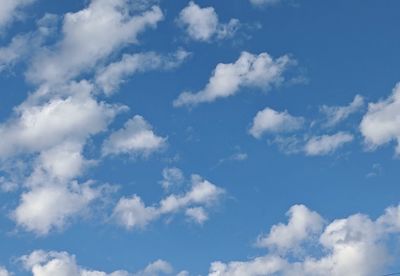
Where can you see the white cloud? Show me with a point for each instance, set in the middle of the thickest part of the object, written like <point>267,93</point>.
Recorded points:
<point>4,272</point>
<point>132,212</point>
<point>10,9</point>
<point>202,24</point>
<point>303,224</point>
<point>264,2</point>
<point>23,46</point>
<point>136,138</point>
<point>381,124</point>
<point>50,263</point>
<point>269,120</point>
<point>156,268</point>
<point>326,144</point>
<point>337,114</point>
<point>171,177</point>
<point>110,77</point>
<point>48,207</point>
<point>253,71</point>
<point>355,245</point>
<point>37,127</point>
<point>85,41</point>
<point>197,214</point>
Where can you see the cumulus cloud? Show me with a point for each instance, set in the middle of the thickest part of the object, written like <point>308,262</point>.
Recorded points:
<point>326,144</point>
<point>49,263</point>
<point>48,207</point>
<point>131,212</point>
<point>110,77</point>
<point>85,41</point>
<point>337,114</point>
<point>136,138</point>
<point>202,24</point>
<point>269,120</point>
<point>75,117</point>
<point>381,124</point>
<point>303,224</point>
<point>356,245</point>
<point>10,10</point>
<point>252,71</point>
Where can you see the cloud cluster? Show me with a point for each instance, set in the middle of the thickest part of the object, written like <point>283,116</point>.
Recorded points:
<point>249,71</point>
<point>49,263</point>
<point>308,245</point>
<point>202,24</point>
<point>131,212</point>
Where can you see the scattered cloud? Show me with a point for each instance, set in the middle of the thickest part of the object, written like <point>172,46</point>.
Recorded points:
<point>269,120</point>
<point>136,138</point>
<point>110,78</point>
<point>356,245</point>
<point>326,144</point>
<point>131,212</point>
<point>381,124</point>
<point>337,114</point>
<point>202,24</point>
<point>254,71</point>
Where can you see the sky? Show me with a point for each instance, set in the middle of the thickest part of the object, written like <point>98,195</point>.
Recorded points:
<point>220,138</point>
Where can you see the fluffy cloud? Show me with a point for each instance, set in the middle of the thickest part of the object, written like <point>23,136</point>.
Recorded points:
<point>202,24</point>
<point>109,78</point>
<point>336,114</point>
<point>269,120</point>
<point>9,10</point>
<point>381,124</point>
<point>85,41</point>
<point>37,127</point>
<point>48,207</point>
<point>49,263</point>
<point>136,138</point>
<point>253,71</point>
<point>132,213</point>
<point>355,245</point>
<point>302,225</point>
<point>325,144</point>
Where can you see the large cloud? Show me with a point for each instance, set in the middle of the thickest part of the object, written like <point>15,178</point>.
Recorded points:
<point>253,71</point>
<point>89,36</point>
<point>356,245</point>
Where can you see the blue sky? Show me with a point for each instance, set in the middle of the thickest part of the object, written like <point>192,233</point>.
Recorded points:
<point>246,137</point>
